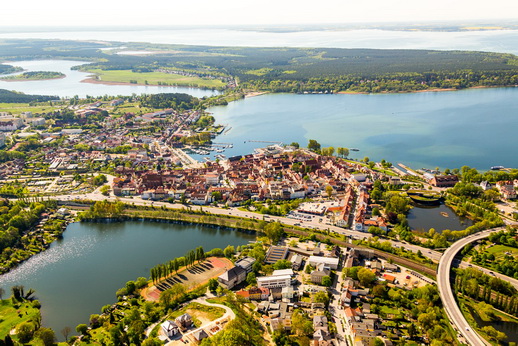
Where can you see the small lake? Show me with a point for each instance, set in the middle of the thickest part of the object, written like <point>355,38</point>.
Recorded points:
<point>79,274</point>
<point>71,85</point>
<point>422,218</point>
<point>509,328</point>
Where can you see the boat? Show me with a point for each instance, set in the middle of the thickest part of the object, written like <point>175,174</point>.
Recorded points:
<point>497,168</point>
<point>445,214</point>
<point>354,149</point>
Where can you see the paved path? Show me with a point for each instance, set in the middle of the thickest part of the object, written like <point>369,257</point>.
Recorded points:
<point>445,290</point>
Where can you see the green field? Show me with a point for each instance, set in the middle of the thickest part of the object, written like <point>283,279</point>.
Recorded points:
<point>153,78</point>
<point>17,108</point>
<point>11,316</point>
<point>500,250</point>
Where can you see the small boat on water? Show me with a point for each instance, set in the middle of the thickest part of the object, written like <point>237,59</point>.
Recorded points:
<point>497,168</point>
<point>354,149</point>
<point>445,214</point>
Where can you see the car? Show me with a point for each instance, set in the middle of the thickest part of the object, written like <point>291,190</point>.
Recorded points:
<point>491,273</point>
<point>467,329</point>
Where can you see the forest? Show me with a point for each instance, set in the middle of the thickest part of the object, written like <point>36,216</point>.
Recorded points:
<point>290,69</point>
<point>35,75</point>
<point>17,97</point>
<point>5,69</point>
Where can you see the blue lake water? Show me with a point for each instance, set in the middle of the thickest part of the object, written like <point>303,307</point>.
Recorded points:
<point>81,273</point>
<point>71,85</point>
<point>450,129</point>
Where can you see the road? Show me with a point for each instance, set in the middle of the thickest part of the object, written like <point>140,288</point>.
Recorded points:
<point>314,224</point>
<point>445,290</point>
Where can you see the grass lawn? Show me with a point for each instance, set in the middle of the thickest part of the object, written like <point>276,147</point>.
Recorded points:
<point>11,316</point>
<point>200,313</point>
<point>388,310</point>
<point>152,78</point>
<point>500,250</point>
<point>17,108</point>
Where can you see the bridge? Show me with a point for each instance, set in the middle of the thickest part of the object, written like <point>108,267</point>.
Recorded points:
<point>445,290</point>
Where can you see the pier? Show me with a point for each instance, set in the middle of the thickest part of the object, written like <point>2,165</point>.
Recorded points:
<point>268,142</point>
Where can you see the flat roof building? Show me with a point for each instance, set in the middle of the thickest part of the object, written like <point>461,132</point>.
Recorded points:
<point>274,281</point>
<point>331,262</point>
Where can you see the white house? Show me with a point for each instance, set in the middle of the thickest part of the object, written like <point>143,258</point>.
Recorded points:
<point>274,281</point>
<point>330,262</point>
<point>169,328</point>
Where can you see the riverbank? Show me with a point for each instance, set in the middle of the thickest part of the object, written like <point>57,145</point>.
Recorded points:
<point>424,91</point>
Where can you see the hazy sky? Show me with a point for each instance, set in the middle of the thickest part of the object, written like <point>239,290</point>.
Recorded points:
<point>228,12</point>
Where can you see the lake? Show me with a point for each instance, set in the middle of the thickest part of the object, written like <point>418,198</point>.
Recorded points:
<point>71,85</point>
<point>505,41</point>
<point>422,218</point>
<point>449,129</point>
<point>79,274</point>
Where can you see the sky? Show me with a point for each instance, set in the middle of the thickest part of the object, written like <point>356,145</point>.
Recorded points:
<point>240,12</point>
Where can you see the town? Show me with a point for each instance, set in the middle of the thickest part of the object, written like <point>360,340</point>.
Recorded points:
<point>335,261</point>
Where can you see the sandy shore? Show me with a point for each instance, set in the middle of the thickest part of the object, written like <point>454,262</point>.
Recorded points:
<point>255,93</point>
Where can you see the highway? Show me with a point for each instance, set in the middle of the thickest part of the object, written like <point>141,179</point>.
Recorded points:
<point>446,292</point>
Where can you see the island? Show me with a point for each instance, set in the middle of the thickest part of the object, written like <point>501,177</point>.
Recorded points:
<point>34,75</point>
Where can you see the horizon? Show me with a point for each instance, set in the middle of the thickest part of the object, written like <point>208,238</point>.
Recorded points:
<point>268,12</point>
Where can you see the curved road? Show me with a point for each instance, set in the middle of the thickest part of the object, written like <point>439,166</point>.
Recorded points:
<point>446,292</point>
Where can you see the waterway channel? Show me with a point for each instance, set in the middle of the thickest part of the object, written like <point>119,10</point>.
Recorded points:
<point>79,274</point>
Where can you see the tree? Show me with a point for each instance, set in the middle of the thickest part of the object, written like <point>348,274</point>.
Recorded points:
<point>326,281</point>
<point>229,251</point>
<point>250,279</point>
<point>274,231</point>
<point>25,332</point>
<point>329,190</point>
<point>99,180</point>
<point>321,297</point>
<point>366,277</point>
<point>494,334</point>
<point>213,284</point>
<point>105,190</point>
<point>313,145</point>
<point>82,328</point>
<point>152,342</point>
<point>46,335</point>
<point>300,323</point>
<point>66,332</point>
<point>282,264</point>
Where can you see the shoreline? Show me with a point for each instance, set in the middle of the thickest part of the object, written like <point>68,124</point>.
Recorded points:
<point>255,93</point>
<point>92,80</point>
<point>425,90</point>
